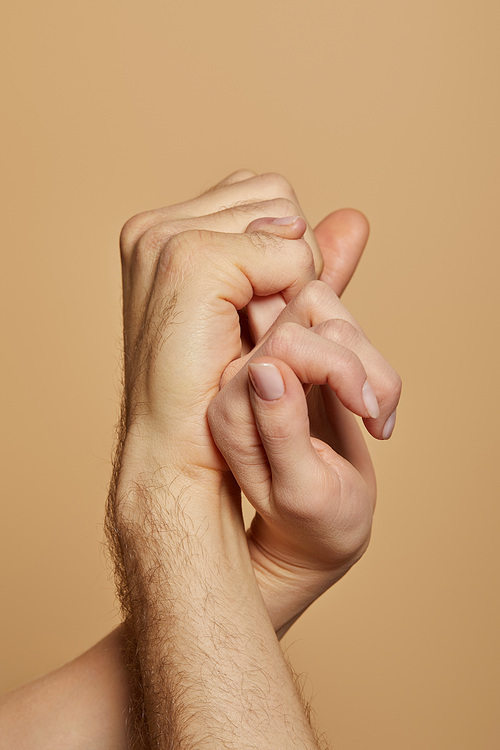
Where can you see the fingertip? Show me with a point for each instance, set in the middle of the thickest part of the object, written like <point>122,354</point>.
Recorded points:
<point>342,237</point>
<point>370,400</point>
<point>379,429</point>
<point>346,223</point>
<point>389,426</point>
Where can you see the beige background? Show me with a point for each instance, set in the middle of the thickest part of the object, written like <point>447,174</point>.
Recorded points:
<point>109,108</point>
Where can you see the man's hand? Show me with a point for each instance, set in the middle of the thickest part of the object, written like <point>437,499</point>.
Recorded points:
<point>187,287</point>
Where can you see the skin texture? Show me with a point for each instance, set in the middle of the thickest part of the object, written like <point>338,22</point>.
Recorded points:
<point>343,236</point>
<point>193,422</point>
<point>205,651</point>
<point>82,705</point>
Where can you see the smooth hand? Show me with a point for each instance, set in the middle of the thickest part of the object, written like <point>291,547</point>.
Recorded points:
<point>301,460</point>
<point>303,463</point>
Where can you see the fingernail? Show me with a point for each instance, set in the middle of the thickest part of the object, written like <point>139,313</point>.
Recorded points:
<point>389,426</point>
<point>286,221</point>
<point>266,380</point>
<point>370,400</point>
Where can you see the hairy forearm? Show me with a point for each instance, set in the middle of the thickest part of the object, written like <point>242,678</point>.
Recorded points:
<point>211,669</point>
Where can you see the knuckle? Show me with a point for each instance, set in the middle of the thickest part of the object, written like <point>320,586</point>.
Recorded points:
<point>349,364</point>
<point>314,294</point>
<point>341,331</point>
<point>179,249</point>
<point>279,184</point>
<point>283,340</point>
<point>153,241</point>
<point>242,174</point>
<point>131,231</point>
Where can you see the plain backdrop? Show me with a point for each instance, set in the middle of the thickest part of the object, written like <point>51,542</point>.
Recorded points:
<point>109,108</point>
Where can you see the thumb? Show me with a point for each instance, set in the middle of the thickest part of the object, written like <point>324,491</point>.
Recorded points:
<point>342,237</point>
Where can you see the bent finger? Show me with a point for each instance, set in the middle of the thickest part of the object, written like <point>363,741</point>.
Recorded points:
<point>317,307</point>
<point>309,481</point>
<point>316,360</point>
<point>263,311</point>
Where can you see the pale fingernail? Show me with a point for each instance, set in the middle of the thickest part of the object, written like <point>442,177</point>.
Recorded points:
<point>389,426</point>
<point>370,400</point>
<point>267,380</point>
<point>286,221</point>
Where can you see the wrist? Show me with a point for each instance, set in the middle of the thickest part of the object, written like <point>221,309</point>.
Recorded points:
<point>174,442</point>
<point>155,488</point>
<point>153,457</point>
